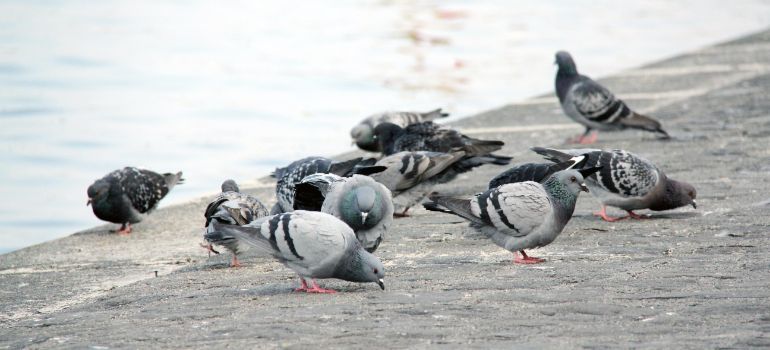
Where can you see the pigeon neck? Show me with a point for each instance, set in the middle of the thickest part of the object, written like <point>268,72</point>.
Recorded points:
<point>351,266</point>
<point>673,196</point>
<point>562,198</point>
<point>564,79</point>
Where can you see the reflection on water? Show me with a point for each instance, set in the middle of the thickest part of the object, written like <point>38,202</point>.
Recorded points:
<point>233,91</point>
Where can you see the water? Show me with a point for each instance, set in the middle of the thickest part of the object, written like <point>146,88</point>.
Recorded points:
<point>233,91</point>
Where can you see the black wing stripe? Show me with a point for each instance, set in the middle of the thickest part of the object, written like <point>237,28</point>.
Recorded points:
<point>285,219</point>
<point>609,112</point>
<point>274,227</point>
<point>500,213</point>
<point>606,172</point>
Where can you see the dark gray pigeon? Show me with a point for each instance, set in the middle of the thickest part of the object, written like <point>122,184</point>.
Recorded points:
<point>313,244</point>
<point>593,106</point>
<point>627,181</point>
<point>363,133</point>
<point>428,136</point>
<point>292,174</point>
<point>127,195</point>
<point>537,172</point>
<point>234,208</point>
<point>359,201</point>
<point>522,215</point>
<point>411,176</point>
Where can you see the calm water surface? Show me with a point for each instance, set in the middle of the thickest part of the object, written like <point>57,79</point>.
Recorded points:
<point>233,91</point>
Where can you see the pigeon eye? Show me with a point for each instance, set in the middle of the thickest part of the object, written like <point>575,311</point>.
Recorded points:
<point>376,271</point>
<point>573,179</point>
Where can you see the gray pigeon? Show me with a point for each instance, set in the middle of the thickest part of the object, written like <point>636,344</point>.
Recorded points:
<point>359,201</point>
<point>363,133</point>
<point>593,106</point>
<point>313,244</point>
<point>627,181</point>
<point>520,215</point>
<point>125,196</point>
<point>428,136</point>
<point>411,176</point>
<point>537,172</point>
<point>234,208</point>
<point>292,174</point>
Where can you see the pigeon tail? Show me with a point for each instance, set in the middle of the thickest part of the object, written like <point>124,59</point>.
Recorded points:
<point>173,179</point>
<point>344,168</point>
<point>458,206</point>
<point>476,147</point>
<point>551,154</point>
<point>246,234</point>
<point>639,121</point>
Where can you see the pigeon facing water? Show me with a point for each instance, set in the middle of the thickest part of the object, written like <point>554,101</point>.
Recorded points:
<point>428,136</point>
<point>521,215</point>
<point>234,208</point>
<point>593,106</point>
<point>127,195</point>
<point>627,181</point>
<point>411,176</point>
<point>292,174</point>
<point>359,201</point>
<point>313,244</point>
<point>363,133</point>
<point>537,172</point>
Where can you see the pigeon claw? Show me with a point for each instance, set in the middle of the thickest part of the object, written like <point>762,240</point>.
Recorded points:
<point>525,259</point>
<point>124,230</point>
<point>633,215</point>
<point>603,214</point>
<point>235,262</point>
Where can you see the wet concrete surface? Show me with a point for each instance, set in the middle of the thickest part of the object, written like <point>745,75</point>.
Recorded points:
<point>682,279</point>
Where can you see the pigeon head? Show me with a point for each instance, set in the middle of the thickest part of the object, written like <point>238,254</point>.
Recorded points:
<point>363,137</point>
<point>361,207</point>
<point>386,133</point>
<point>230,186</point>
<point>677,194</point>
<point>98,191</point>
<point>566,64</point>
<point>363,267</point>
<point>565,185</point>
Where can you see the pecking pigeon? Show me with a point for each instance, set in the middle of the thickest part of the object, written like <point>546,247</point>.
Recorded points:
<point>359,201</point>
<point>363,133</point>
<point>627,181</point>
<point>125,196</point>
<point>234,208</point>
<point>593,106</point>
<point>520,215</point>
<point>428,136</point>
<point>313,244</point>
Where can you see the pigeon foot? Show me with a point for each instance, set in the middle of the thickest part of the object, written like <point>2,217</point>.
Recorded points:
<point>124,230</point>
<point>633,215</point>
<point>603,214</point>
<point>524,259</point>
<point>314,288</point>
<point>235,262</point>
<point>402,214</point>
<point>584,139</point>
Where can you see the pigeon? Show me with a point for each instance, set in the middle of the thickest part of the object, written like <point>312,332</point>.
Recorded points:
<point>428,136</point>
<point>362,203</point>
<point>627,181</point>
<point>313,244</point>
<point>296,171</point>
<point>125,196</point>
<point>593,106</point>
<point>234,208</point>
<point>537,172</point>
<point>363,133</point>
<point>522,215</point>
<point>411,176</point>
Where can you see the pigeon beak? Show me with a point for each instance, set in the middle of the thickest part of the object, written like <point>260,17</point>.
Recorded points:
<point>583,187</point>
<point>381,283</point>
<point>89,202</point>
<point>694,205</point>
<point>363,217</point>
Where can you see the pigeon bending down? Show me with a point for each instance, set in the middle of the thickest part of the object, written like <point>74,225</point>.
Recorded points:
<point>313,244</point>
<point>411,176</point>
<point>292,174</point>
<point>537,172</point>
<point>125,196</point>
<point>593,106</point>
<point>522,215</point>
<point>627,181</point>
<point>363,133</point>
<point>362,203</point>
<point>428,136</point>
<point>234,208</point>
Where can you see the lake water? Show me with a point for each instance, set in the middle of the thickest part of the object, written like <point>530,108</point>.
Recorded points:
<point>233,91</point>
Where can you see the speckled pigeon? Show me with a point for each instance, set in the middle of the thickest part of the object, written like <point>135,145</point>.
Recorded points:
<point>125,196</point>
<point>593,106</point>
<point>627,181</point>
<point>428,136</point>
<point>359,201</point>
<point>537,172</point>
<point>522,215</point>
<point>363,133</point>
<point>292,174</point>
<point>234,208</point>
<point>313,244</point>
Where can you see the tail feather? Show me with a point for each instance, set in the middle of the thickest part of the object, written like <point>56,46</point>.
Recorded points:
<point>480,147</point>
<point>551,154</point>
<point>344,168</point>
<point>457,206</point>
<point>250,235</point>
<point>639,121</point>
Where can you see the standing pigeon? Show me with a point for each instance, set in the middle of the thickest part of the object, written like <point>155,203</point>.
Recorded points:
<point>359,201</point>
<point>428,136</point>
<point>593,106</point>
<point>537,172</point>
<point>125,196</point>
<point>363,133</point>
<point>520,215</point>
<point>411,176</point>
<point>627,181</point>
<point>296,171</point>
<point>313,244</point>
<point>234,208</point>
